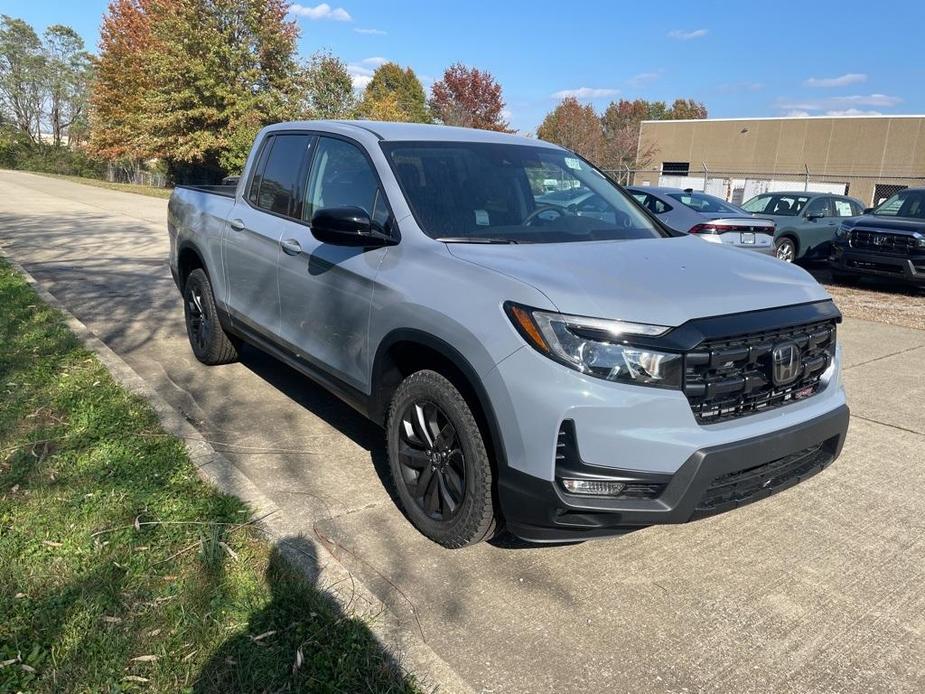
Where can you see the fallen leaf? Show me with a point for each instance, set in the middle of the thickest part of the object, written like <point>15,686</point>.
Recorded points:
<point>49,543</point>
<point>299,659</point>
<point>8,662</point>
<point>27,668</point>
<point>111,620</point>
<point>135,678</point>
<point>19,596</point>
<point>144,659</point>
<point>154,632</point>
<point>263,635</point>
<point>137,523</point>
<point>189,655</point>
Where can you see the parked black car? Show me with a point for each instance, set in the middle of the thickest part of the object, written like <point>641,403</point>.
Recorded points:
<point>888,241</point>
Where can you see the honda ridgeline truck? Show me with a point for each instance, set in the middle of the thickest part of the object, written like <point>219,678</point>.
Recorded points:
<point>561,374</point>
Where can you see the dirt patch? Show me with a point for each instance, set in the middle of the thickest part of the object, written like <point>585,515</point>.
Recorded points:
<point>876,300</point>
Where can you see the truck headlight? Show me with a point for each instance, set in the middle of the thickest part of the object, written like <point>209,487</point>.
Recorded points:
<point>598,347</point>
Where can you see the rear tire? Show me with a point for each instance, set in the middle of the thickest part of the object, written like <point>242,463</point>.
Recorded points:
<point>210,343</point>
<point>785,249</point>
<point>439,463</point>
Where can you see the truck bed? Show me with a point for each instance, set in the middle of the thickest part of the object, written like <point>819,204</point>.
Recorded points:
<point>226,190</point>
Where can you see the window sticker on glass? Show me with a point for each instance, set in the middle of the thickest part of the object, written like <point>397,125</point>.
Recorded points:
<point>843,208</point>
<point>573,163</point>
<point>481,218</point>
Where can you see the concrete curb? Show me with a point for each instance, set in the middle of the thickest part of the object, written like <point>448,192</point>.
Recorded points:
<point>408,648</point>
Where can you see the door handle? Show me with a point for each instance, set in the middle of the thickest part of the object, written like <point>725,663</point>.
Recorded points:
<point>236,224</point>
<point>290,247</point>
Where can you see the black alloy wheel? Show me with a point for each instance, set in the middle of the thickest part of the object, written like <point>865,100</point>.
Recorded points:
<point>433,466</point>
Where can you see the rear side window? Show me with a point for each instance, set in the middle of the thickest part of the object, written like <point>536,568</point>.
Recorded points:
<point>845,208</point>
<point>651,203</point>
<point>277,191</point>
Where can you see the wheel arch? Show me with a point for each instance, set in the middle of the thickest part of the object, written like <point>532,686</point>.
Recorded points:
<point>406,350</point>
<point>189,258</point>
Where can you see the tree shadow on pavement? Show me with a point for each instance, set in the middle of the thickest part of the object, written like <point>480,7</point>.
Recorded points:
<point>301,640</point>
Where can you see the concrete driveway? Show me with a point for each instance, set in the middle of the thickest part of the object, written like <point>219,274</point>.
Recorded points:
<point>821,588</point>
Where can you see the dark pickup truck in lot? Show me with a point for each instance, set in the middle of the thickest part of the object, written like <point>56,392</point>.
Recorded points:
<point>888,241</point>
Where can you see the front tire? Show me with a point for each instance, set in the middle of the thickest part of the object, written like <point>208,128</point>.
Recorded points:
<point>785,249</point>
<point>439,463</point>
<point>210,343</point>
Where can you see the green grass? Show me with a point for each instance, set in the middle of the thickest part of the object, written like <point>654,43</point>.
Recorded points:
<point>150,191</point>
<point>114,572</point>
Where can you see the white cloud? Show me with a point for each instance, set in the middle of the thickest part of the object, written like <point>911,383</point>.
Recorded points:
<point>797,113</point>
<point>506,114</point>
<point>868,100</point>
<point>375,60</point>
<point>840,81</point>
<point>853,112</point>
<point>371,32</point>
<point>842,105</point>
<point>322,11</point>
<point>585,93</point>
<point>643,78</point>
<point>682,35</point>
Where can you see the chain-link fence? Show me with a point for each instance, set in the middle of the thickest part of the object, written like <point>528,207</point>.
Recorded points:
<point>134,172</point>
<point>738,186</point>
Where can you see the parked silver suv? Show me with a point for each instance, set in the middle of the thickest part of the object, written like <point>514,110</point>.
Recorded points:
<point>567,375</point>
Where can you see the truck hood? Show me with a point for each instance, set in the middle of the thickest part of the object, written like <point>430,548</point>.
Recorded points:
<point>665,281</point>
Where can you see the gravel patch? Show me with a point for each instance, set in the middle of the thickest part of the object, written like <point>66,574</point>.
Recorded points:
<point>876,300</point>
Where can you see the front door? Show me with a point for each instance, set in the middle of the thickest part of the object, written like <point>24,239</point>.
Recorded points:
<point>326,290</point>
<point>817,226</point>
<point>257,223</point>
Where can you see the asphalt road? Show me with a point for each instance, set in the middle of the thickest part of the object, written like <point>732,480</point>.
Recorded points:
<point>818,589</point>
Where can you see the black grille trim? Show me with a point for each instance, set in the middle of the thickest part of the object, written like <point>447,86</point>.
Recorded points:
<point>730,378</point>
<point>741,487</point>
<point>881,242</point>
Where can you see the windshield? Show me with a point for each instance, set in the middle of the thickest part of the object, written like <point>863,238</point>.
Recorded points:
<point>785,204</point>
<point>490,192</point>
<point>906,203</point>
<point>703,202</point>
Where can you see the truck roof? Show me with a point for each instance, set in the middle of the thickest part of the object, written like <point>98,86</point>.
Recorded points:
<point>415,132</point>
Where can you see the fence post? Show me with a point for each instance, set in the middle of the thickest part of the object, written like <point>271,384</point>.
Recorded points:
<point>706,175</point>
<point>805,178</point>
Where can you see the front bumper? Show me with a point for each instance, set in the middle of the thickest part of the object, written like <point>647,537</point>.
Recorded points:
<point>844,259</point>
<point>712,480</point>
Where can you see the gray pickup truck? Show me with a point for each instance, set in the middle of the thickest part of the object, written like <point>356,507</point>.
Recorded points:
<point>563,375</point>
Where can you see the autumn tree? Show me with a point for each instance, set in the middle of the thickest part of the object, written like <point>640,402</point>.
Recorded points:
<point>470,98</point>
<point>575,126</point>
<point>329,88</point>
<point>396,93</point>
<point>118,121</point>
<point>199,79</point>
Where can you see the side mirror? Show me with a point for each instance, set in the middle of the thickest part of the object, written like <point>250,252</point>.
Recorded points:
<point>346,226</point>
<point>813,216</point>
<point>868,210</point>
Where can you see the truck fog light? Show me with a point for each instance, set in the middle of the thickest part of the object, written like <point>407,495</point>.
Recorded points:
<point>593,487</point>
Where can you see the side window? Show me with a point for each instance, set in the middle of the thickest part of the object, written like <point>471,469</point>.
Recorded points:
<point>819,206</point>
<point>845,208</point>
<point>280,181</point>
<point>259,166</point>
<point>652,203</point>
<point>343,177</point>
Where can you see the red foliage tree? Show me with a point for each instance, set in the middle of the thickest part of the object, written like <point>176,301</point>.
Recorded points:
<point>468,97</point>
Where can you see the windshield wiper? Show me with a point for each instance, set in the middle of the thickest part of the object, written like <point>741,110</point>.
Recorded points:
<point>474,239</point>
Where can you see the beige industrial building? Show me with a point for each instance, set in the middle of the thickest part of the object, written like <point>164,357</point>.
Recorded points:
<point>867,157</point>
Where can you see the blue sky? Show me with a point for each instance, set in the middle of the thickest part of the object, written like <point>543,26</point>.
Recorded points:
<point>741,59</point>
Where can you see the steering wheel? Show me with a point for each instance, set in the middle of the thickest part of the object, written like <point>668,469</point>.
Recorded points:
<point>528,221</point>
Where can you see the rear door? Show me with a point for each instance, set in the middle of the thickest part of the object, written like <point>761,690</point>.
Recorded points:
<point>270,205</point>
<point>326,290</point>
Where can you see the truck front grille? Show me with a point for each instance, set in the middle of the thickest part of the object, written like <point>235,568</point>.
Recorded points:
<point>734,377</point>
<point>881,241</point>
